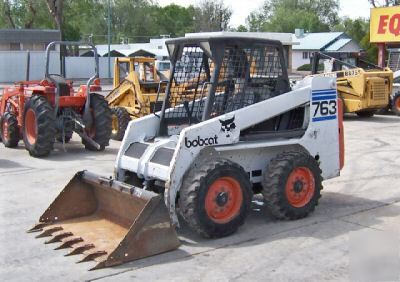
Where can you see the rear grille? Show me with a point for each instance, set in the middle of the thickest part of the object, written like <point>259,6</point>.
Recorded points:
<point>163,156</point>
<point>379,91</point>
<point>136,150</point>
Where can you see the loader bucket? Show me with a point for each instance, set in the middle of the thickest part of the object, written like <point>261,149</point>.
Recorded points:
<point>107,221</point>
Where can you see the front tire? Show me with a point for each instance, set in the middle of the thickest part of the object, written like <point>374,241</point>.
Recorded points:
<point>9,130</point>
<point>292,185</point>
<point>101,127</point>
<point>120,121</point>
<point>396,104</point>
<point>215,198</point>
<point>39,126</point>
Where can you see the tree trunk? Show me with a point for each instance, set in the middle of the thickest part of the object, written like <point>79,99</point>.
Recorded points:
<point>7,13</point>
<point>56,10</point>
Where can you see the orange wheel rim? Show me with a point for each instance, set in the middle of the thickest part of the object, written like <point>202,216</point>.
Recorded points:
<point>30,126</point>
<point>223,200</point>
<point>300,187</point>
<point>397,103</point>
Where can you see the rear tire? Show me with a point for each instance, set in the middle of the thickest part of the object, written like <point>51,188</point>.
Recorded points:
<point>120,121</point>
<point>365,114</point>
<point>215,198</point>
<point>101,128</point>
<point>9,130</point>
<point>292,185</point>
<point>396,104</point>
<point>39,126</point>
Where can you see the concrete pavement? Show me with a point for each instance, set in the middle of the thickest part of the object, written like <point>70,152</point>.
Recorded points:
<point>365,198</point>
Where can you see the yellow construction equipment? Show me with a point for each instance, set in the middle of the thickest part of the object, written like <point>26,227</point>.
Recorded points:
<point>138,91</point>
<point>363,91</point>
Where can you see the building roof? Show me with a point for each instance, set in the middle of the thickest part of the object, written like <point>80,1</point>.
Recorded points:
<point>337,45</point>
<point>29,35</point>
<point>156,47</point>
<point>315,41</point>
<point>285,38</point>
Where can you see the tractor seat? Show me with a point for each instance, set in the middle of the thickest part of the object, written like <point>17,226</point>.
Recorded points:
<point>61,84</point>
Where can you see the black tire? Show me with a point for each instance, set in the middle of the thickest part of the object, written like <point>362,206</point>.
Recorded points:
<point>101,128</point>
<point>41,143</point>
<point>194,192</point>
<point>276,186</point>
<point>365,114</point>
<point>383,111</point>
<point>9,130</point>
<point>121,119</point>
<point>396,104</point>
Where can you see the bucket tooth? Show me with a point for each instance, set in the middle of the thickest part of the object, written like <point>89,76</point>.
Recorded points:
<point>80,249</point>
<point>92,256</point>
<point>68,243</point>
<point>38,227</point>
<point>49,231</point>
<point>57,237</point>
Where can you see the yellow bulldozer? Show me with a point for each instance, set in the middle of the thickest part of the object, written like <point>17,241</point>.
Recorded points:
<point>362,90</point>
<point>138,91</point>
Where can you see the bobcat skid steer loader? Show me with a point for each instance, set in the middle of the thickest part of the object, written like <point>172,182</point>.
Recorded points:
<point>239,130</point>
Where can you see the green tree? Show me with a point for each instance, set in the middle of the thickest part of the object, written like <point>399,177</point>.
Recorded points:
<point>24,14</point>
<point>356,29</point>
<point>82,18</point>
<point>134,19</point>
<point>287,15</point>
<point>212,16</point>
<point>174,20</point>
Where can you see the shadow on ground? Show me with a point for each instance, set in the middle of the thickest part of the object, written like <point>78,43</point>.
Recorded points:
<point>378,119</point>
<point>261,228</point>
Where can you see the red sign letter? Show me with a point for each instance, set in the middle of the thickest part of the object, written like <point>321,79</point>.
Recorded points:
<point>382,24</point>
<point>394,27</point>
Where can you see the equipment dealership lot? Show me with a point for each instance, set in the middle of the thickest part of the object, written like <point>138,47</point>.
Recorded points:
<point>365,197</point>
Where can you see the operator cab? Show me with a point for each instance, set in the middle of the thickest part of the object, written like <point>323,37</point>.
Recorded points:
<point>213,76</point>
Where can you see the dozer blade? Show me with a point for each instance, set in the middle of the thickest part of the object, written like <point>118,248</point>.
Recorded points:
<point>107,221</point>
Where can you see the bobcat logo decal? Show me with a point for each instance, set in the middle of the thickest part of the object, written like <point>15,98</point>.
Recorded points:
<point>228,125</point>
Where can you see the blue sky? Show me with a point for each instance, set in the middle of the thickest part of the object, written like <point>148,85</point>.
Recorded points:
<point>241,8</point>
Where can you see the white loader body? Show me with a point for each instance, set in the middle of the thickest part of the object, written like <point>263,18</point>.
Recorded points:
<point>167,159</point>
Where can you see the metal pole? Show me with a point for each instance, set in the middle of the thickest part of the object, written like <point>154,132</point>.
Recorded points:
<point>109,37</point>
<point>381,54</point>
<point>28,63</point>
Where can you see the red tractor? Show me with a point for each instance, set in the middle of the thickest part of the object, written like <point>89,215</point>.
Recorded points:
<point>40,112</point>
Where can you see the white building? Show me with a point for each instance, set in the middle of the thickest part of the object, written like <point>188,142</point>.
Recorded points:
<point>336,44</point>
<point>155,48</point>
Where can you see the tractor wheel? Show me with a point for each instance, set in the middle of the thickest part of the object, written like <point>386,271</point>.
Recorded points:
<point>39,126</point>
<point>396,104</point>
<point>101,128</point>
<point>9,130</point>
<point>365,114</point>
<point>215,198</point>
<point>120,121</point>
<point>292,185</point>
